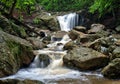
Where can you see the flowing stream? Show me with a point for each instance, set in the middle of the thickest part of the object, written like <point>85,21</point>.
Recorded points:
<point>68,21</point>
<point>55,72</point>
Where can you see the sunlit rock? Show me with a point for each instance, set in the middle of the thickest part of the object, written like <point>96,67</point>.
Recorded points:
<point>85,59</point>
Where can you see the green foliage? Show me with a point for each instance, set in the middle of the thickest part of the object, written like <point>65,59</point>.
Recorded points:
<point>104,6</point>
<point>25,5</point>
<point>22,5</point>
<point>65,5</point>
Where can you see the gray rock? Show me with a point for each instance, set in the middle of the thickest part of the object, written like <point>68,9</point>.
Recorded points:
<point>85,59</point>
<point>37,43</point>
<point>96,28</point>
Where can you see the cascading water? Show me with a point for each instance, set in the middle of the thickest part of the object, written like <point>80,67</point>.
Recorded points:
<point>54,72</point>
<point>69,21</point>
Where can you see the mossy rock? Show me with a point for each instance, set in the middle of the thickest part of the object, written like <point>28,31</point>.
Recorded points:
<point>11,28</point>
<point>14,54</point>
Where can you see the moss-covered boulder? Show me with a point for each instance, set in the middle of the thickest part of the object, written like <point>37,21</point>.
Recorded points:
<point>85,59</point>
<point>14,54</point>
<point>112,70</point>
<point>50,22</point>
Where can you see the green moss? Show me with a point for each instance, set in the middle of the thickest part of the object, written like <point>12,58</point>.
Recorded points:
<point>14,48</point>
<point>19,30</point>
<point>18,49</point>
<point>36,20</point>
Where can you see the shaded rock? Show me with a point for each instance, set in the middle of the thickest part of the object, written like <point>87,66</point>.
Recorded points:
<point>46,40</point>
<point>80,28</point>
<point>4,23</point>
<point>16,81</point>
<point>14,54</point>
<point>37,43</point>
<point>85,59</point>
<point>112,70</point>
<point>96,28</point>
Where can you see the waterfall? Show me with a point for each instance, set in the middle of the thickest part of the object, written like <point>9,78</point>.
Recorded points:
<point>69,21</point>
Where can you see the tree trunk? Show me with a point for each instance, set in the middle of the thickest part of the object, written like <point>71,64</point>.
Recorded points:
<point>12,8</point>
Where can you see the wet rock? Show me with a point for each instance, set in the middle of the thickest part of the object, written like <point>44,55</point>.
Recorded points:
<point>44,60</point>
<point>112,70</point>
<point>37,43</point>
<point>14,54</point>
<point>16,81</point>
<point>96,28</point>
<point>57,36</point>
<point>85,59</point>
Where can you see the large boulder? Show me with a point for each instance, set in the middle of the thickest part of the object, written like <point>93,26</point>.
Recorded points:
<point>14,54</point>
<point>85,59</point>
<point>112,70</point>
<point>96,28</point>
<point>50,22</point>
